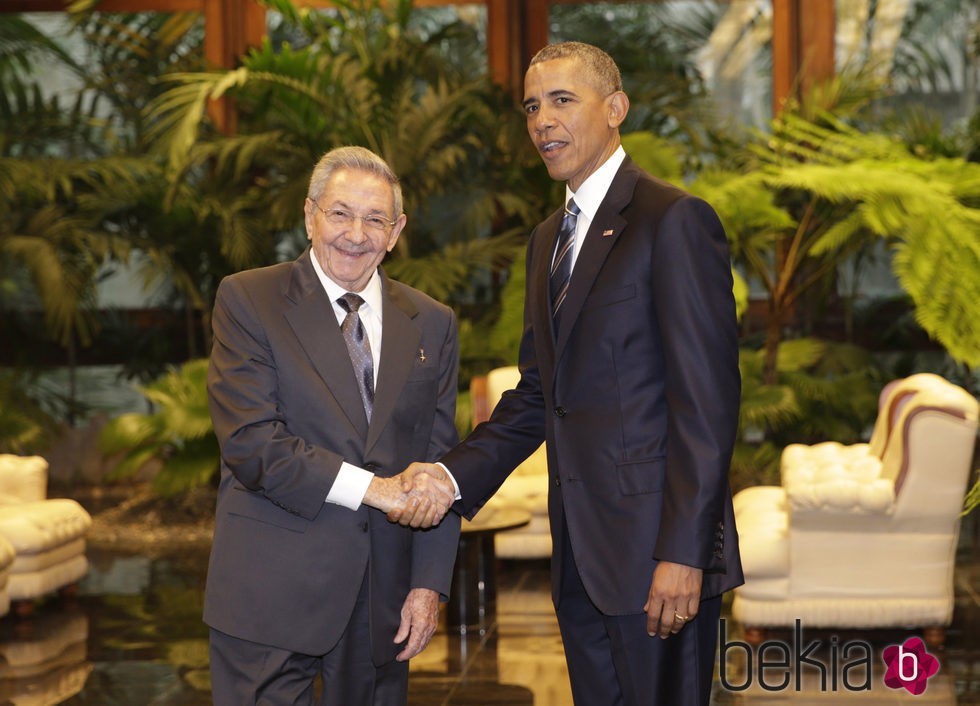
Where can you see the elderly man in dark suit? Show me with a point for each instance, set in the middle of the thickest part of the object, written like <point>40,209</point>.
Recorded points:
<point>307,576</point>
<point>629,371</point>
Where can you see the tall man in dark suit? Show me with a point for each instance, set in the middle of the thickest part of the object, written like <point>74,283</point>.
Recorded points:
<point>306,578</point>
<point>629,371</point>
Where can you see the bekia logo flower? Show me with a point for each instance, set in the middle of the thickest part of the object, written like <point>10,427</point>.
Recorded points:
<point>909,666</point>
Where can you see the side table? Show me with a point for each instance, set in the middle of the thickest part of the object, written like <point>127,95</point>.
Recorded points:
<point>473,597</point>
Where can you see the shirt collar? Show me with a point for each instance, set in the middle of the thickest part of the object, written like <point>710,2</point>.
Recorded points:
<point>593,190</point>
<point>371,294</point>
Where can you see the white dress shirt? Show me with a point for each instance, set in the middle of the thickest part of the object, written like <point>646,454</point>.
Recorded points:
<point>352,481</point>
<point>590,195</point>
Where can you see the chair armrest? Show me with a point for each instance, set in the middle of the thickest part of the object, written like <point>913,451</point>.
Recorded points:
<point>23,478</point>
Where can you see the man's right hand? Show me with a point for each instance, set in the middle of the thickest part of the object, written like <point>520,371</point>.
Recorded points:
<point>428,487</point>
<point>419,497</point>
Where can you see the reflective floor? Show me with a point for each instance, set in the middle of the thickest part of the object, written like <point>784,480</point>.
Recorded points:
<point>133,637</point>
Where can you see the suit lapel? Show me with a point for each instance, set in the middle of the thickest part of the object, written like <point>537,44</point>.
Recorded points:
<point>399,352</point>
<point>315,326</point>
<point>602,235</point>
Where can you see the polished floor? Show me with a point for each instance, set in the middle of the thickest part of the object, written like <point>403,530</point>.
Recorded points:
<point>518,660</point>
<point>133,637</point>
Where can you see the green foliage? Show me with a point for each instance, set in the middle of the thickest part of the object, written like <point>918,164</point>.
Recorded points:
<point>361,75</point>
<point>76,185</point>
<point>823,390</point>
<point>657,155</point>
<point>820,193</point>
<point>972,501</point>
<point>179,433</point>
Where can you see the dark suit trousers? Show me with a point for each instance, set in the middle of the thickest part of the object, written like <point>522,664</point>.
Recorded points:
<point>612,661</point>
<point>244,672</point>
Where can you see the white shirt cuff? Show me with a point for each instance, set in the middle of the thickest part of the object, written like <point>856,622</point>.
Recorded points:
<point>455,484</point>
<point>350,486</point>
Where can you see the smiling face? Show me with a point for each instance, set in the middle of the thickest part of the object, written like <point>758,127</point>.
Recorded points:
<point>350,253</point>
<point>574,125</point>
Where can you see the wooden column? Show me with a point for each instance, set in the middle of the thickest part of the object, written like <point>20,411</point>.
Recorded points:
<point>516,30</point>
<point>818,24</point>
<point>230,28</point>
<point>802,47</point>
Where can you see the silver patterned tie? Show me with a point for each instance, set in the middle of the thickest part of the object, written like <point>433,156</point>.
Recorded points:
<point>359,348</point>
<point>561,269</point>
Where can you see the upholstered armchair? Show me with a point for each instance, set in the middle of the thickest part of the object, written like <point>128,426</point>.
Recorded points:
<point>863,536</point>
<point>527,486</point>
<point>47,535</point>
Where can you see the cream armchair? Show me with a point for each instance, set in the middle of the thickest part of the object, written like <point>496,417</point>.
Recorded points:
<point>527,486</point>
<point>48,536</point>
<point>799,461</point>
<point>856,539</point>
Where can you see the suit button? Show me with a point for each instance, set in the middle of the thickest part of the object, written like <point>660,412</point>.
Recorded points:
<point>559,411</point>
<point>557,481</point>
<point>364,527</point>
<point>370,467</point>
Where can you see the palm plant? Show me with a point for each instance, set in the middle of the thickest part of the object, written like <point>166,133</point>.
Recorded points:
<point>178,433</point>
<point>360,75</point>
<point>74,175</point>
<point>819,192</point>
<point>822,390</point>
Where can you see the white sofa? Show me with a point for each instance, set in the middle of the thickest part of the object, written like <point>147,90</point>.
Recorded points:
<point>851,539</point>
<point>47,535</point>
<point>527,486</point>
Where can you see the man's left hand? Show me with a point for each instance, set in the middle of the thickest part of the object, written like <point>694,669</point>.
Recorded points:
<point>675,596</point>
<point>420,617</point>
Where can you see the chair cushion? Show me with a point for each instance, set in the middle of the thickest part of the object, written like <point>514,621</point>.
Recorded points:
<point>37,527</point>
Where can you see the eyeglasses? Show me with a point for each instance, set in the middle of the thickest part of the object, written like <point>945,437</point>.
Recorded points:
<point>340,217</point>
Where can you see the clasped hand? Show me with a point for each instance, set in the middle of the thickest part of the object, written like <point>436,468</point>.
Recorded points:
<point>419,496</point>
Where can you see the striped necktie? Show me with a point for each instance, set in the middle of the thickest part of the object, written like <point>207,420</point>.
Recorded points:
<point>359,348</point>
<point>561,269</point>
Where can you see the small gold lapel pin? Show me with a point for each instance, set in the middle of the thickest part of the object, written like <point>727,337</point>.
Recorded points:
<point>421,355</point>
<point>607,232</point>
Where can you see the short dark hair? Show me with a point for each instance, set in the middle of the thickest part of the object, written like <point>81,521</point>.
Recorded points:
<point>359,159</point>
<point>601,69</point>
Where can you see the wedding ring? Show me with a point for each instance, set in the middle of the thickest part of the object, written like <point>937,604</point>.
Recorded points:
<point>682,617</point>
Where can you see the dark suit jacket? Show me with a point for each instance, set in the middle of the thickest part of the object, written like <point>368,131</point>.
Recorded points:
<point>286,567</point>
<point>637,396</point>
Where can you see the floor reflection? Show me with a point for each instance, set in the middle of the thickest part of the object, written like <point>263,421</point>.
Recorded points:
<point>44,659</point>
<point>133,637</point>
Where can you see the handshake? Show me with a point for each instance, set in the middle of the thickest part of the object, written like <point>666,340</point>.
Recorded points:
<point>419,496</point>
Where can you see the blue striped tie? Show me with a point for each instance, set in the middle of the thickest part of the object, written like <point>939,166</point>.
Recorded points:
<point>561,269</point>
